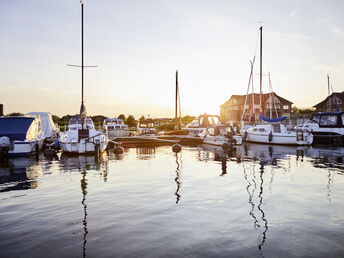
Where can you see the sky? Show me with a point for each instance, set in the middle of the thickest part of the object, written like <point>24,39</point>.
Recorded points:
<point>137,46</point>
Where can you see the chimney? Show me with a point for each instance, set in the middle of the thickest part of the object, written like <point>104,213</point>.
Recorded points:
<point>1,110</point>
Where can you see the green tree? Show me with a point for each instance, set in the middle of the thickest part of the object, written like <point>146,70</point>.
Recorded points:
<point>121,116</point>
<point>131,121</point>
<point>305,112</point>
<point>56,119</point>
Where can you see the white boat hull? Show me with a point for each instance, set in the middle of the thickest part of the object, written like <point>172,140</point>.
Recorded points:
<point>220,140</point>
<point>278,139</point>
<point>25,147</point>
<point>82,147</point>
<point>117,133</point>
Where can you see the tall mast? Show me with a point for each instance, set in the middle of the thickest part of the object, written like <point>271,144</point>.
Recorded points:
<point>176,115</point>
<point>328,90</point>
<point>82,53</point>
<point>261,65</point>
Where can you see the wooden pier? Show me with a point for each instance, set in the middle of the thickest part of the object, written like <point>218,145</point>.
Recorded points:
<point>156,140</point>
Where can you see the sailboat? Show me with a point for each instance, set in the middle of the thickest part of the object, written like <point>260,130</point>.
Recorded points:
<point>272,131</point>
<point>81,136</point>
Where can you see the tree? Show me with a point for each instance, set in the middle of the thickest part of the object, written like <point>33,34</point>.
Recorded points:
<point>121,116</point>
<point>131,121</point>
<point>15,114</point>
<point>305,112</point>
<point>142,118</point>
<point>56,119</point>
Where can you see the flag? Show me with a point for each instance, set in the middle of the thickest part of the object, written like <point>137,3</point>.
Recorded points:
<point>83,113</point>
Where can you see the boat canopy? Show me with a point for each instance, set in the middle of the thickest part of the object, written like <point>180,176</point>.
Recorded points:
<point>48,126</point>
<point>271,120</point>
<point>16,128</point>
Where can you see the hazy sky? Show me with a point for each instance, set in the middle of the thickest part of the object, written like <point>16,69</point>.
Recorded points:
<point>138,44</point>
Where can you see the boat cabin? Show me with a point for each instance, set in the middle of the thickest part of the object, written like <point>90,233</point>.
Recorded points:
<point>329,119</point>
<point>75,123</point>
<point>220,130</point>
<point>114,124</point>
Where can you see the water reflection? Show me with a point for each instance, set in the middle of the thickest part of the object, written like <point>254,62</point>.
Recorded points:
<point>328,157</point>
<point>260,205</point>
<point>250,189</point>
<point>82,162</point>
<point>145,153</point>
<point>84,222</point>
<point>19,174</point>
<point>179,163</point>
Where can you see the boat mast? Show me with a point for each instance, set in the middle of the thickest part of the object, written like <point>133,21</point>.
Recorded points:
<point>328,90</point>
<point>180,112</point>
<point>82,54</point>
<point>176,114</point>
<point>261,65</point>
<point>248,89</point>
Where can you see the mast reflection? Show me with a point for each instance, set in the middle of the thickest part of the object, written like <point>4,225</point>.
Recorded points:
<point>251,195</point>
<point>84,222</point>
<point>260,204</point>
<point>179,163</point>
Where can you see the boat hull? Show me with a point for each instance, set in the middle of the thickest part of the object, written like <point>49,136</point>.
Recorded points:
<point>117,133</point>
<point>82,147</point>
<point>278,139</point>
<point>22,148</point>
<point>219,140</point>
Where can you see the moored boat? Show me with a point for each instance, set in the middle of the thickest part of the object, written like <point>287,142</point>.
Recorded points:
<point>146,128</point>
<point>115,128</point>
<point>82,137</point>
<point>326,127</point>
<point>20,135</point>
<point>277,133</point>
<point>219,135</point>
<point>49,128</point>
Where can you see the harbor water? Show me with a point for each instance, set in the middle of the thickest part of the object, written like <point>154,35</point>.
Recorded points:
<point>254,201</point>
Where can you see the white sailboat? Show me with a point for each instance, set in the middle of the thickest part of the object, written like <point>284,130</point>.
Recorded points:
<point>81,136</point>
<point>272,131</point>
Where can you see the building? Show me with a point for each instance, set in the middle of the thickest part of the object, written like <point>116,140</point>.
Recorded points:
<point>333,103</point>
<point>232,109</point>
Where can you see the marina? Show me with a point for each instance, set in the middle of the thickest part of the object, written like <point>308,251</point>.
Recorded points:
<point>157,166</point>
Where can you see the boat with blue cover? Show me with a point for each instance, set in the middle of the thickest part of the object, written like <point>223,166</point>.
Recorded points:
<point>20,135</point>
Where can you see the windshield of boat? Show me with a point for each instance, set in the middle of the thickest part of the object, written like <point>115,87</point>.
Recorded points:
<point>76,120</point>
<point>328,120</point>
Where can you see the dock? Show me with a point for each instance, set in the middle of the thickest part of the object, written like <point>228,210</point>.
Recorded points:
<point>156,140</point>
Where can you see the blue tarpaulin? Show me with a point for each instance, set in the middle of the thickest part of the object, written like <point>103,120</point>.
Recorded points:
<point>271,120</point>
<point>15,127</point>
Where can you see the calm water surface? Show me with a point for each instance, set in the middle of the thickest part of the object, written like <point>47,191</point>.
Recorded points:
<point>258,201</point>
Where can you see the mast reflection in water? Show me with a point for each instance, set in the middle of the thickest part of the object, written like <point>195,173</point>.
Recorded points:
<point>84,222</point>
<point>179,163</point>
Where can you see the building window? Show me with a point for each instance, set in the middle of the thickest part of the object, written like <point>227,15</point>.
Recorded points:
<point>285,106</point>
